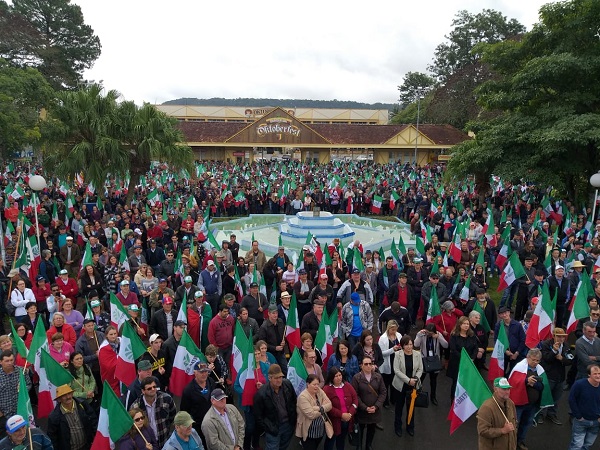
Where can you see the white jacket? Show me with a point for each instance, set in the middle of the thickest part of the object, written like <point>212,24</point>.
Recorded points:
<point>384,343</point>
<point>20,299</point>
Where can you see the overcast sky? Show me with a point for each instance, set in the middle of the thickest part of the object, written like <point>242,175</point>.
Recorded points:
<point>347,50</point>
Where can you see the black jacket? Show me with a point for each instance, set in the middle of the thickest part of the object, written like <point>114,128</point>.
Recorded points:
<point>555,369</point>
<point>58,427</point>
<point>417,284</point>
<point>272,334</point>
<point>197,403</point>
<point>392,296</point>
<point>310,324</point>
<point>265,410</point>
<point>170,348</point>
<point>158,323</point>
<point>564,292</point>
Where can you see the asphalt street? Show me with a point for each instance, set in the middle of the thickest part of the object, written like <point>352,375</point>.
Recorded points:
<point>432,429</point>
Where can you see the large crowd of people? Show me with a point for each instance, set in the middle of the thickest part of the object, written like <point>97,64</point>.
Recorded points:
<point>155,257</point>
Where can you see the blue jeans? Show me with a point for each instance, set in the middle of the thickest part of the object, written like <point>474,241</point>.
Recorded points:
<point>281,441</point>
<point>525,415</point>
<point>583,434</point>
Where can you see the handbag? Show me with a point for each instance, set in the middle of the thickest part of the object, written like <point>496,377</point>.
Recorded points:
<point>328,426</point>
<point>432,364</point>
<point>422,399</point>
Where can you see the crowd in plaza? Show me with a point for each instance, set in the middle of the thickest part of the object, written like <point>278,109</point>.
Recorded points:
<point>151,267</point>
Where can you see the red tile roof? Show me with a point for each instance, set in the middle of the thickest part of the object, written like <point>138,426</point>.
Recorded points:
<point>337,134</point>
<point>216,132</point>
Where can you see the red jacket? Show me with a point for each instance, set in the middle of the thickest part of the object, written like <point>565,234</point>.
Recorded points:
<point>335,414</point>
<point>131,299</point>
<point>41,294</point>
<point>108,363</point>
<point>220,331</point>
<point>155,233</point>
<point>445,322</point>
<point>69,290</point>
<point>67,331</point>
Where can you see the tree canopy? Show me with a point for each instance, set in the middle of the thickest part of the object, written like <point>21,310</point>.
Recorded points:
<point>457,69</point>
<point>91,132</point>
<point>23,94</point>
<point>49,35</point>
<point>548,89</point>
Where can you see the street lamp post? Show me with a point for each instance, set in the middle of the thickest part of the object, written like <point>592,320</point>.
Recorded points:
<point>37,183</point>
<point>419,91</point>
<point>595,182</point>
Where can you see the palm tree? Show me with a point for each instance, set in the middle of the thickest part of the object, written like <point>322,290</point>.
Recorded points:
<point>89,132</point>
<point>150,135</point>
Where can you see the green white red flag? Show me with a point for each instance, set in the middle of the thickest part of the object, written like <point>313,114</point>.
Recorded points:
<point>24,408</point>
<point>471,391</point>
<point>496,368</point>
<point>292,326</point>
<point>511,272</point>
<point>323,339</point>
<point>580,308</point>
<point>114,421</point>
<point>248,375</point>
<point>118,313</point>
<point>297,372</point>
<point>504,249</point>
<point>130,350</point>
<point>188,354</point>
<point>52,375</point>
<point>542,321</point>
<point>240,345</point>
<point>518,393</point>
<point>434,306</point>
<point>376,205</point>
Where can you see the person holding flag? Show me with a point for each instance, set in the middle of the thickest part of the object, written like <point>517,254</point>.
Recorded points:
<point>529,381</point>
<point>18,434</point>
<point>556,356</point>
<point>9,383</point>
<point>516,338</point>
<point>497,419</point>
<point>462,336</point>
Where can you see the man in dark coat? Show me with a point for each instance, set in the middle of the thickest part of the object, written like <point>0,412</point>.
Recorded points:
<point>275,409</point>
<point>72,424</point>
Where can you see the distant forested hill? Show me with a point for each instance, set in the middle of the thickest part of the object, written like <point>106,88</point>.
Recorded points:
<point>287,103</point>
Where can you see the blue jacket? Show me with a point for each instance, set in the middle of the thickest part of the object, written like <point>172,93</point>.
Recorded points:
<point>351,368</point>
<point>173,443</point>
<point>516,338</point>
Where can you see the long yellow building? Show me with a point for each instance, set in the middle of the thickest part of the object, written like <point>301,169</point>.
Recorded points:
<point>223,133</point>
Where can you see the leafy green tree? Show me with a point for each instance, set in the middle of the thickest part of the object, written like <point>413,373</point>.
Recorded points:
<point>548,88</point>
<point>23,95</point>
<point>457,70</point>
<point>50,35</point>
<point>93,133</point>
<point>415,83</point>
<point>488,26</point>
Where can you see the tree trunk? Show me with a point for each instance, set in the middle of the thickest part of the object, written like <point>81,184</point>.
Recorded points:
<point>133,182</point>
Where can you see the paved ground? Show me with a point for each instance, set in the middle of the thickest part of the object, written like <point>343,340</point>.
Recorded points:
<point>432,430</point>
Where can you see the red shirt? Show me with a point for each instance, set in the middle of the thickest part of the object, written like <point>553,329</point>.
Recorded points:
<point>403,296</point>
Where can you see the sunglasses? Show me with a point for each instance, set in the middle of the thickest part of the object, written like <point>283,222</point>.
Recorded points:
<point>139,419</point>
